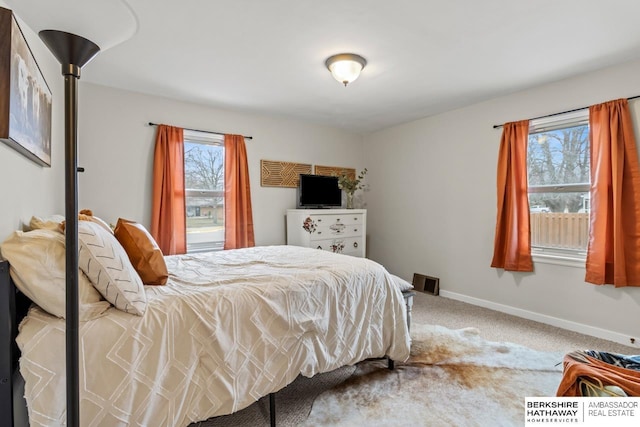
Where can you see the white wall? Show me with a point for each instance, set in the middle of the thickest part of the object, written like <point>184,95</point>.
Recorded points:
<point>116,149</point>
<point>29,189</point>
<point>432,208</point>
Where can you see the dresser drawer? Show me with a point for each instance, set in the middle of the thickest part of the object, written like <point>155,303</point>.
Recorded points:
<point>348,245</point>
<point>335,230</point>
<point>330,226</point>
<point>328,219</point>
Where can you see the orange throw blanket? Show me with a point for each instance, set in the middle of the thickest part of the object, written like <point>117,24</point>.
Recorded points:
<point>578,364</point>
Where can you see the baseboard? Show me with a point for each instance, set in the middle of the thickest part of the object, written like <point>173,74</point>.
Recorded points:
<point>549,320</point>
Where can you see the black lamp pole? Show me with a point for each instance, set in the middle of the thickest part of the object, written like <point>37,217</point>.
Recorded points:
<point>73,52</point>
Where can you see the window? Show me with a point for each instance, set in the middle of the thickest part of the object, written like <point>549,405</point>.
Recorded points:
<point>204,185</point>
<point>558,167</point>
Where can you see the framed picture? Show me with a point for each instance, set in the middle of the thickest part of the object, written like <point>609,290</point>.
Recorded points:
<point>25,97</point>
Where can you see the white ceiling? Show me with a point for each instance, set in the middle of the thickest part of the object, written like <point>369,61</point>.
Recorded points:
<point>267,56</point>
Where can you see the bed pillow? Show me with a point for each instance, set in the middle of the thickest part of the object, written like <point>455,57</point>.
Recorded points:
<point>50,223</point>
<point>103,223</point>
<point>37,260</point>
<point>143,251</point>
<point>106,264</point>
<point>401,283</point>
<point>87,215</point>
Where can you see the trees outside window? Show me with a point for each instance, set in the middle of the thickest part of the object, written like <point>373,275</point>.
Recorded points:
<point>558,167</point>
<point>204,185</point>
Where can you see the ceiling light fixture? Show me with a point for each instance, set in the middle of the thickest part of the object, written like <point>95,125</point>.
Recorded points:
<point>345,67</point>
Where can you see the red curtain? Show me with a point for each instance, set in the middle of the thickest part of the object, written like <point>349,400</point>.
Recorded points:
<point>512,245</point>
<point>613,254</point>
<point>238,217</point>
<point>168,223</point>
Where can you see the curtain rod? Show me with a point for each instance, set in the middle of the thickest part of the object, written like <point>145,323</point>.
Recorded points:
<point>563,112</point>
<point>205,131</point>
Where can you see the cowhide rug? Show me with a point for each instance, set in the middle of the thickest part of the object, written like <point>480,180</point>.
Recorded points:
<point>453,378</point>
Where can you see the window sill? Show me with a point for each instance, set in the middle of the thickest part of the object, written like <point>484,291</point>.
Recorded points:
<point>194,248</point>
<point>575,261</point>
<point>202,250</point>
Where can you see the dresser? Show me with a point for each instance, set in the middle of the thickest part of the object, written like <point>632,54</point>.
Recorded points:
<point>335,230</point>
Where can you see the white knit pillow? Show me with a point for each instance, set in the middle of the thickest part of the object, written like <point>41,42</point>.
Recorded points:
<point>107,265</point>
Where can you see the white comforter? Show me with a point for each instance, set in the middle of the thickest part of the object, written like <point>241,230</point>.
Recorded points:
<point>227,329</point>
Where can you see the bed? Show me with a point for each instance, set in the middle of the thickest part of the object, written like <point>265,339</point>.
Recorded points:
<point>228,328</point>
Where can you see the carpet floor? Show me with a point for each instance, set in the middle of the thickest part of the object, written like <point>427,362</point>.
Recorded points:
<point>453,378</point>
<point>295,402</point>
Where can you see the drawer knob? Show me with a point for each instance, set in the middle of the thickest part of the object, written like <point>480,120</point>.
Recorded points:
<point>319,232</point>
<point>319,219</point>
<point>355,229</point>
<point>355,244</point>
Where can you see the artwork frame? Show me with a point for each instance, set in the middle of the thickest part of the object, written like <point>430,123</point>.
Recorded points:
<point>334,171</point>
<point>275,173</point>
<point>25,96</point>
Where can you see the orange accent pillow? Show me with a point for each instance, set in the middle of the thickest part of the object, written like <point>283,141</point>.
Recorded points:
<point>144,253</point>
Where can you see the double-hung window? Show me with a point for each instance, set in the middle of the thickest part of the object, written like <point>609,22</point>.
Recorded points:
<point>558,167</point>
<point>204,195</point>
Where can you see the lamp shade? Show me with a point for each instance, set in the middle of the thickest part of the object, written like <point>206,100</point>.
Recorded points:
<point>69,48</point>
<point>105,23</point>
<point>345,67</point>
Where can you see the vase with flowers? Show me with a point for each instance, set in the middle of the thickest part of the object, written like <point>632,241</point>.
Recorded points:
<point>351,184</point>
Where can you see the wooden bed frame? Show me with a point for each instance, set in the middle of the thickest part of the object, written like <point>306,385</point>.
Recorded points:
<point>14,306</point>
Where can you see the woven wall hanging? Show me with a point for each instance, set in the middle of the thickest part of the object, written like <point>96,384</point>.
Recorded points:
<point>281,174</point>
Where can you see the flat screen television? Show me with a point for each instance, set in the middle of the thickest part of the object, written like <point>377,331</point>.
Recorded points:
<point>318,192</point>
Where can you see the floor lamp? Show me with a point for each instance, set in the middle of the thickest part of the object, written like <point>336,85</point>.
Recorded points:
<point>73,52</point>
